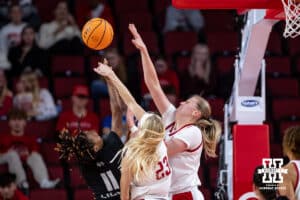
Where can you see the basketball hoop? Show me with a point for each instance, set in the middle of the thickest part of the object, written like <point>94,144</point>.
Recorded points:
<point>292,15</point>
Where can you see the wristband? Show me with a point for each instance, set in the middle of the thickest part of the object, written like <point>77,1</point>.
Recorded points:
<point>133,129</point>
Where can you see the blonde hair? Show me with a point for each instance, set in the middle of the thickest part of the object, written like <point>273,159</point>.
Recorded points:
<point>34,87</point>
<point>291,141</point>
<point>140,152</point>
<point>210,128</point>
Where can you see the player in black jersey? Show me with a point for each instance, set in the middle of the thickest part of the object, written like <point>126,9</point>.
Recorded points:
<point>97,156</point>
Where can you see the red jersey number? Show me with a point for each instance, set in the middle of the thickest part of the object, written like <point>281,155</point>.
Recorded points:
<point>164,169</point>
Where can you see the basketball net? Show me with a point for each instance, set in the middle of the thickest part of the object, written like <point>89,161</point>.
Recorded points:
<point>292,15</point>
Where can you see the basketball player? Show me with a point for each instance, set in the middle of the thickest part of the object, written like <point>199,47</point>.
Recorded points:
<point>96,155</point>
<point>291,147</point>
<point>145,167</point>
<point>189,130</point>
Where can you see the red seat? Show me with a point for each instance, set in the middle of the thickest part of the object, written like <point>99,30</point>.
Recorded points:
<point>50,194</point>
<point>217,105</point>
<point>4,127</point>
<point>182,63</point>
<point>67,65</point>
<point>225,65</point>
<point>284,87</point>
<point>63,87</point>
<point>67,104</point>
<point>202,177</point>
<point>176,42</point>
<point>149,38</point>
<point>56,172</point>
<point>77,180</point>
<point>42,129</point>
<point>44,8</point>
<point>298,65</point>
<point>122,6</point>
<point>3,168</point>
<point>293,46</point>
<point>274,44</point>
<point>219,20</point>
<point>286,124</point>
<point>206,192</point>
<point>278,66</point>
<point>83,194</point>
<point>276,151</point>
<point>142,20</point>
<point>222,42</point>
<point>286,108</point>
<point>49,154</point>
<point>213,175</point>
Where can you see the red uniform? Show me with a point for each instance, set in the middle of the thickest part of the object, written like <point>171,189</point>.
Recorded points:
<point>69,120</point>
<point>18,196</point>
<point>6,105</point>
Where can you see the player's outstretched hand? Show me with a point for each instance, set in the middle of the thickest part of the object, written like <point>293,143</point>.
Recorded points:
<point>103,70</point>
<point>137,39</point>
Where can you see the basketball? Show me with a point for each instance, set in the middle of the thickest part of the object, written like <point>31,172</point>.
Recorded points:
<point>97,33</point>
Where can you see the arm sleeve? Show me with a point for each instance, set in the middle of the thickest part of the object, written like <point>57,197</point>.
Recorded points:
<point>191,136</point>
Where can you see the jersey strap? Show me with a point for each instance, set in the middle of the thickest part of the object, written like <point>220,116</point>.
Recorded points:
<point>297,177</point>
<point>170,125</point>
<point>173,133</point>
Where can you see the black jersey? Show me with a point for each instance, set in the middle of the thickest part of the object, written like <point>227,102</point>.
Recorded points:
<point>102,175</point>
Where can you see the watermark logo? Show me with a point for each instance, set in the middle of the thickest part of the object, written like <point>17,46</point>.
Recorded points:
<point>272,170</point>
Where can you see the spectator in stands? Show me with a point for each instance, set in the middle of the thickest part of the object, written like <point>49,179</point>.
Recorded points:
<point>27,55</point>
<point>99,87</point>
<point>166,76</point>
<point>8,188</point>
<point>79,116</point>
<point>26,148</point>
<point>10,34</point>
<point>62,35</point>
<point>183,20</point>
<point>30,14</point>
<point>37,102</point>
<point>91,9</point>
<point>198,77</point>
<point>6,96</point>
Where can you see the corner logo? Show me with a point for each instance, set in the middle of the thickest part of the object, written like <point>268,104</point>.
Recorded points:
<point>272,171</point>
<point>250,103</point>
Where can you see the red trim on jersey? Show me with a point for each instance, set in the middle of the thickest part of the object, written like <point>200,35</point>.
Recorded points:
<point>170,125</point>
<point>198,147</point>
<point>297,178</point>
<point>170,134</point>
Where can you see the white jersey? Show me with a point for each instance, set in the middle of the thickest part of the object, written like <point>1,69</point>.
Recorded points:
<point>184,165</point>
<point>157,184</point>
<point>297,186</point>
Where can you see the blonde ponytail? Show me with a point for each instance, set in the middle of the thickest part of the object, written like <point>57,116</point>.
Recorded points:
<point>140,153</point>
<point>210,128</point>
<point>211,132</point>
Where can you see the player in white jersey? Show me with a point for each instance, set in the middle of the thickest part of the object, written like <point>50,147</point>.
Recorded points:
<point>189,129</point>
<point>145,172</point>
<point>291,147</point>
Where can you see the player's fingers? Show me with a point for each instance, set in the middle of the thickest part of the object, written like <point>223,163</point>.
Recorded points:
<point>134,31</point>
<point>105,61</point>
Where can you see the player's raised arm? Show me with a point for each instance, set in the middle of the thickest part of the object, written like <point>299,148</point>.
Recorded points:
<point>125,181</point>
<point>150,76</point>
<point>128,99</point>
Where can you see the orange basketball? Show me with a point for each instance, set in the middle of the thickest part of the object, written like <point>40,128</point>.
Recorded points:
<point>97,33</point>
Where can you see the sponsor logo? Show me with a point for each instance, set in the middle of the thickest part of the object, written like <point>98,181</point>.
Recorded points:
<point>272,171</point>
<point>249,103</point>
